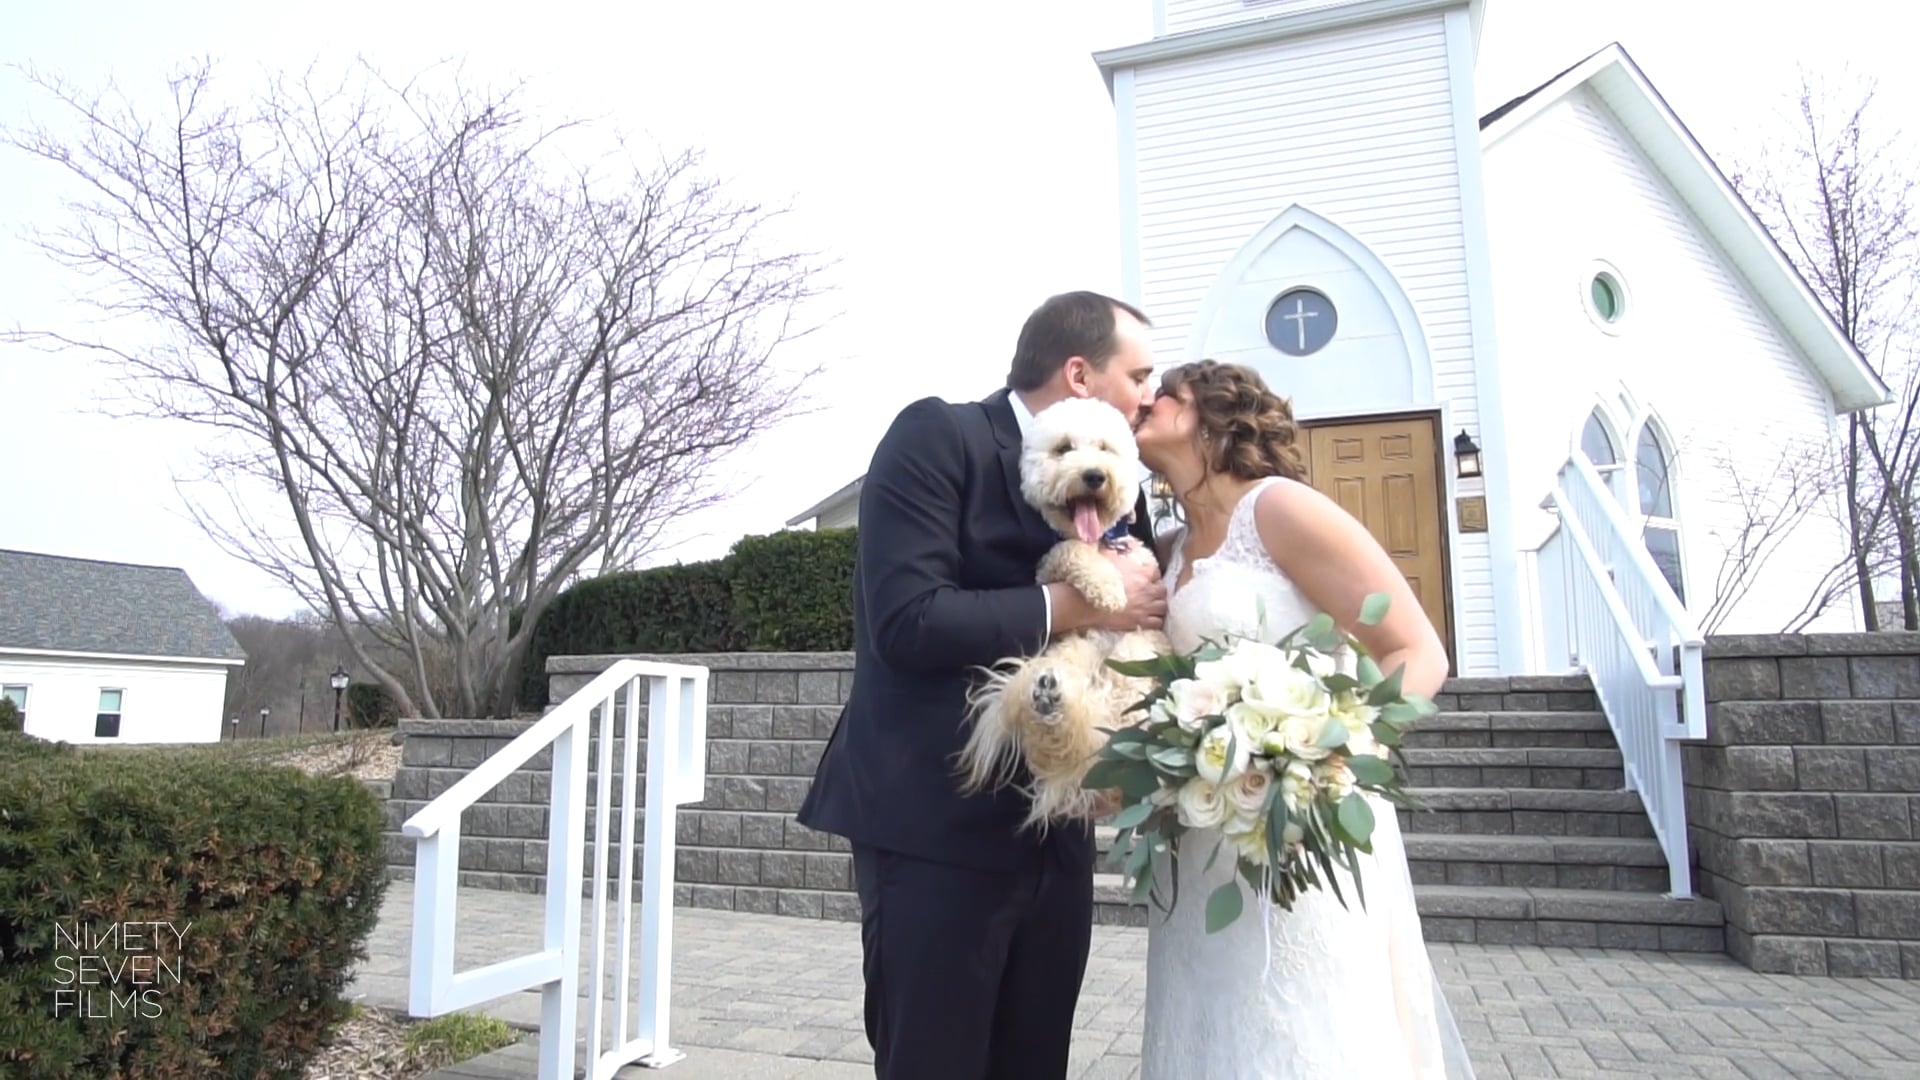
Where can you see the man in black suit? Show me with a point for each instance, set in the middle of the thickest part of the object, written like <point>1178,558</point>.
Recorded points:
<point>974,933</point>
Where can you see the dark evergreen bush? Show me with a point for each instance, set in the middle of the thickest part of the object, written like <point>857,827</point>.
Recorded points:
<point>249,891</point>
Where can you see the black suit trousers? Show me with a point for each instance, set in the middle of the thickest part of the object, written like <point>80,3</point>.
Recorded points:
<point>972,974</point>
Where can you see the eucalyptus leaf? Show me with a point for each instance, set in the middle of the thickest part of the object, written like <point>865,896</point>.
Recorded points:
<point>1370,770</point>
<point>1388,689</point>
<point>1132,750</point>
<point>1108,772</point>
<point>1132,815</point>
<point>1172,757</point>
<point>1318,628</point>
<point>1223,907</point>
<point>1333,735</point>
<point>1369,671</point>
<point>1373,609</point>
<point>1356,819</point>
<point>1400,714</point>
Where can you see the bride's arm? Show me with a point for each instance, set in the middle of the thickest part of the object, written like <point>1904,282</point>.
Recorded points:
<point>1336,562</point>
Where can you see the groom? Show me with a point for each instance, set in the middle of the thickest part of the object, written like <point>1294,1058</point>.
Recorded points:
<point>974,934</point>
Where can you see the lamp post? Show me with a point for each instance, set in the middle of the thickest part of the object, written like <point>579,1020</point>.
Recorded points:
<point>338,680</point>
<point>263,721</point>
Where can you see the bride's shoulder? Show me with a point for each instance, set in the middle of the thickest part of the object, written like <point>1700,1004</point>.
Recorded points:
<point>1287,511</point>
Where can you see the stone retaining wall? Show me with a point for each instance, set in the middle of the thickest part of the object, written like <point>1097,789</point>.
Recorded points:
<point>1804,801</point>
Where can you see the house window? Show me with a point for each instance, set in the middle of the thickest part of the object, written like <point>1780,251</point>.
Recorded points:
<point>18,695</point>
<point>1301,322</point>
<point>1653,480</point>
<point>106,722</point>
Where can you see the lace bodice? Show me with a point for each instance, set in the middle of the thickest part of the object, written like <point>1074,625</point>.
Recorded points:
<point>1279,995</point>
<point>1237,591</point>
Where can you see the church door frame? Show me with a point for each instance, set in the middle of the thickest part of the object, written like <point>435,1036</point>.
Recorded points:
<point>1443,495</point>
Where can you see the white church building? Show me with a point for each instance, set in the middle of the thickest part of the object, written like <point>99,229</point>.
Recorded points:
<point>1532,345</point>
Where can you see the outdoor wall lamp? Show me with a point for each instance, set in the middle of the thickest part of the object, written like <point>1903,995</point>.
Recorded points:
<point>1466,456</point>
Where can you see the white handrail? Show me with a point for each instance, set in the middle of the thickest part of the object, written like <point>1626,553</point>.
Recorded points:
<point>1628,629</point>
<point>676,739</point>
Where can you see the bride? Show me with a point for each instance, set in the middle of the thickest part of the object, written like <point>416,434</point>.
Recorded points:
<point>1323,990</point>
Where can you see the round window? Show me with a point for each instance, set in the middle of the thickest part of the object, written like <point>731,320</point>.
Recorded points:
<point>1605,294</point>
<point>1301,322</point>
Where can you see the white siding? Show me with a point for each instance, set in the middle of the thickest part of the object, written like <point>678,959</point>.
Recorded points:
<point>1356,125</point>
<point>159,702</point>
<point>1696,347</point>
<point>1184,15</point>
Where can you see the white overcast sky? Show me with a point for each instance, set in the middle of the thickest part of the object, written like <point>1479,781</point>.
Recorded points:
<point>957,159</point>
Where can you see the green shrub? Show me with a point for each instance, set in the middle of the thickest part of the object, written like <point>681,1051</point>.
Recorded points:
<point>789,591</point>
<point>368,705</point>
<point>273,879</point>
<point>793,591</point>
<point>9,715</point>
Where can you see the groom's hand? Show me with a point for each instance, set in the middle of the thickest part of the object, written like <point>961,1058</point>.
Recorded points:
<point>1146,598</point>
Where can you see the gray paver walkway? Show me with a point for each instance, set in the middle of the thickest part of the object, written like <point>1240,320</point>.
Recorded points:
<point>764,996</point>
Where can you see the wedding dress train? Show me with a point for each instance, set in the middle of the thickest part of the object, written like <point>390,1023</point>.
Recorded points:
<point>1322,991</point>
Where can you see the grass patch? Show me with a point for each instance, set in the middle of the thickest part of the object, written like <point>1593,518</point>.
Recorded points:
<point>456,1037</point>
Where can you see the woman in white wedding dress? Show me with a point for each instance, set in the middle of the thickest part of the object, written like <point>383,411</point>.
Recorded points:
<point>1322,991</point>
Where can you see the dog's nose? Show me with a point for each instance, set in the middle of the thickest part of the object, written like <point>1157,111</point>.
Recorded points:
<point>1094,479</point>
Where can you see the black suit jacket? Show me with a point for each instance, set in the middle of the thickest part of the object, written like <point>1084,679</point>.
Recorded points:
<point>943,583</point>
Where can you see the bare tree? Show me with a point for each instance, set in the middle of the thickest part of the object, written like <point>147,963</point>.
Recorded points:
<point>1770,503</point>
<point>1840,198</point>
<point>461,369</point>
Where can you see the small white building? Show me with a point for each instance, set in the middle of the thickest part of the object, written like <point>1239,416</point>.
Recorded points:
<point>99,652</point>
<point>1469,306</point>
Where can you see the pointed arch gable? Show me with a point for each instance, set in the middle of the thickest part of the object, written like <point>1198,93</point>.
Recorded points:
<point>1299,247</point>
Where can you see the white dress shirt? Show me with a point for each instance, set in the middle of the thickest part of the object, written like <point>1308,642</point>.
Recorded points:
<point>1024,416</point>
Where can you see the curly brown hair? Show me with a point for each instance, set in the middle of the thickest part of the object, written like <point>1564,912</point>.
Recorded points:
<point>1246,430</point>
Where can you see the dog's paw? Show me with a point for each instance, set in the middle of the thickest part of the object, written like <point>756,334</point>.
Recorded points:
<point>1047,698</point>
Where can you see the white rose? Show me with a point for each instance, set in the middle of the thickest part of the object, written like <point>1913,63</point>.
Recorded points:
<point>1188,701</point>
<point>1252,843</point>
<point>1296,785</point>
<point>1257,719</point>
<point>1303,734</point>
<point>1320,663</point>
<point>1335,777</point>
<point>1362,742</point>
<point>1240,665</point>
<point>1211,758</point>
<point>1352,711</point>
<point>1247,793</point>
<point>1289,691</point>
<point>1202,804</point>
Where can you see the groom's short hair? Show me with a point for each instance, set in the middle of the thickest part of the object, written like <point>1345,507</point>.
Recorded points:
<point>1065,326</point>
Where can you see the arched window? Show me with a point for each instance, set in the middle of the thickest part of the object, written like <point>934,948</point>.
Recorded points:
<point>1597,443</point>
<point>1653,484</point>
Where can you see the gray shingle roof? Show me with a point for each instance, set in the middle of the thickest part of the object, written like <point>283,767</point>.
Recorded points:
<point>80,605</point>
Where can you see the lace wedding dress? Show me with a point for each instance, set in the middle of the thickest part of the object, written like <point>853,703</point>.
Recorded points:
<point>1322,991</point>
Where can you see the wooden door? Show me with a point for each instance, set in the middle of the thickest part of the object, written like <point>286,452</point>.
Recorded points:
<point>1386,473</point>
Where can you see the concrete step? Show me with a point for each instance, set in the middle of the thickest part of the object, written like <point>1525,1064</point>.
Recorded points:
<point>1630,864</point>
<point>1529,729</point>
<point>1589,768</point>
<point>1536,811</point>
<point>1514,915</point>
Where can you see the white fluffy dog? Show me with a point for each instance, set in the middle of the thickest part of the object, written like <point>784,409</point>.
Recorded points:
<point>1079,468</point>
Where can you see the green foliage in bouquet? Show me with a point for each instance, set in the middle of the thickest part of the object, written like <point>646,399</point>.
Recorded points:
<point>1274,746</point>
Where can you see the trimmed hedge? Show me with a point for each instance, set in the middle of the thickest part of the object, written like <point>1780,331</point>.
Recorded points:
<point>10,715</point>
<point>250,891</point>
<point>788,591</point>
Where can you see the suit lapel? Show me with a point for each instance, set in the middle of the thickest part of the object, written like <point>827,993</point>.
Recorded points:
<point>1006,432</point>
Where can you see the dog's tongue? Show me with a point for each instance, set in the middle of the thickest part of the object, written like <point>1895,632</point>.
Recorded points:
<point>1086,520</point>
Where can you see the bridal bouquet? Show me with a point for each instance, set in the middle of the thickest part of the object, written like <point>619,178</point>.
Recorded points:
<point>1270,744</point>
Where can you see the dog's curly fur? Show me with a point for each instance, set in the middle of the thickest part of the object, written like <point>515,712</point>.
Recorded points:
<point>1047,711</point>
